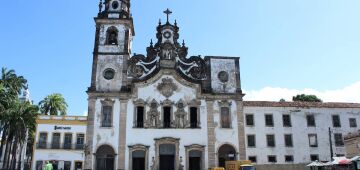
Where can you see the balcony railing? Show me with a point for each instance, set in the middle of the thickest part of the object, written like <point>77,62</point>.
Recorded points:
<point>65,146</point>
<point>139,124</point>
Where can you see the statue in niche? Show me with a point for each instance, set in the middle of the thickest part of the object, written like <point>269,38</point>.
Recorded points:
<point>153,114</point>
<point>180,115</point>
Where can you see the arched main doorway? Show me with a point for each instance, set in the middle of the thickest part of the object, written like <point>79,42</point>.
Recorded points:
<point>226,153</point>
<point>105,156</point>
<point>138,160</point>
<point>167,156</point>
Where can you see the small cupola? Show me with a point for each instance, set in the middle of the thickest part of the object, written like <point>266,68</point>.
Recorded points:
<point>117,9</point>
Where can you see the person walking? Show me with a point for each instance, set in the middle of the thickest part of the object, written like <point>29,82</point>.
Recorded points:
<point>48,166</point>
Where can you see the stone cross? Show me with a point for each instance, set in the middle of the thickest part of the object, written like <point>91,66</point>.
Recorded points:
<point>167,12</point>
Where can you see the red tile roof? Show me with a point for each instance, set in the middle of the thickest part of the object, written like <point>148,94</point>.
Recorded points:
<point>301,104</point>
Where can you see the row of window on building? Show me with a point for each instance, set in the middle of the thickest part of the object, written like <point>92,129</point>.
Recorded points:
<point>288,140</point>
<point>286,118</point>
<point>287,158</point>
<point>56,144</point>
<point>106,120</point>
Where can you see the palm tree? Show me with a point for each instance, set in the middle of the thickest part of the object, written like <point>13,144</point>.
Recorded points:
<point>16,117</point>
<point>53,104</point>
<point>20,121</point>
<point>2,100</point>
<point>11,82</point>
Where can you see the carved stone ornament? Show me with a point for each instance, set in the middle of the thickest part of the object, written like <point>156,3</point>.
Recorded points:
<point>153,115</point>
<point>167,87</point>
<point>180,115</point>
<point>167,52</point>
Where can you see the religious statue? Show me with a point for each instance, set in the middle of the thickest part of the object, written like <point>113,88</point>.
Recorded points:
<point>153,114</point>
<point>180,115</point>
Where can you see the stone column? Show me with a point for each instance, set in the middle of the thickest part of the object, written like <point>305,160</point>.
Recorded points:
<point>211,133</point>
<point>90,135</point>
<point>122,134</point>
<point>241,130</point>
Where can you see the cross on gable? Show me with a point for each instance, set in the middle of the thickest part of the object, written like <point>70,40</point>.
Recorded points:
<point>167,12</point>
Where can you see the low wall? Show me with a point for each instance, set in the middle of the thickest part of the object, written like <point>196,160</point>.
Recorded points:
<point>282,167</point>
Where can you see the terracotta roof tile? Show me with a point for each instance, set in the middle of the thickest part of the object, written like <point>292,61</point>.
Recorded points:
<point>301,104</point>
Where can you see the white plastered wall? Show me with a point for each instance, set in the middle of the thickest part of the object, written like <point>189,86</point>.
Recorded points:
<point>147,136</point>
<point>299,130</point>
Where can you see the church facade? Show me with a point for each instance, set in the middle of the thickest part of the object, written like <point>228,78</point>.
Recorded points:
<point>165,109</point>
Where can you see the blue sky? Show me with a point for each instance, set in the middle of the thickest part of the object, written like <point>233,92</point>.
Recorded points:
<point>295,45</point>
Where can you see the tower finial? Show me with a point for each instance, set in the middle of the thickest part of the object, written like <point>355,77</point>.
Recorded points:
<point>100,6</point>
<point>167,12</point>
<point>151,43</point>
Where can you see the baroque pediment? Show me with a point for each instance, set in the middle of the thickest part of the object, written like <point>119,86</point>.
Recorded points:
<point>167,53</point>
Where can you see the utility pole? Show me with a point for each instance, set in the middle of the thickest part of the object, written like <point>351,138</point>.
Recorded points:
<point>331,148</point>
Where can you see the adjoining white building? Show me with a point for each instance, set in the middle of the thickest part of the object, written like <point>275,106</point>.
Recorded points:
<point>61,140</point>
<point>297,132</point>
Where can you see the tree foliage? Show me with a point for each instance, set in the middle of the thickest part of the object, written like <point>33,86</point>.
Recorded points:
<point>17,118</point>
<point>53,104</point>
<point>306,98</point>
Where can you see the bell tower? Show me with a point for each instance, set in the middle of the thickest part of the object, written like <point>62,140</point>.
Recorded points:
<point>112,49</point>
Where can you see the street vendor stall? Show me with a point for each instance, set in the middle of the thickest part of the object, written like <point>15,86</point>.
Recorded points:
<point>342,163</point>
<point>316,165</point>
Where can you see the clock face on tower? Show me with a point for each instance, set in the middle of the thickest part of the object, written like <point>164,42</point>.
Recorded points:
<point>115,5</point>
<point>167,34</point>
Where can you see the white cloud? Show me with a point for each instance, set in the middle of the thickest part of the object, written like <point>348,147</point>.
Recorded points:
<point>349,93</point>
<point>85,113</point>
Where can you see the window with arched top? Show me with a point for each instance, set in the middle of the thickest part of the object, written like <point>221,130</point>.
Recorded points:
<point>105,158</point>
<point>112,36</point>
<point>138,157</point>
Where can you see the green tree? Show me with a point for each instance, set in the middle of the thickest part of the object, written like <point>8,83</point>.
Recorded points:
<point>12,83</point>
<point>306,98</point>
<point>20,122</point>
<point>53,104</point>
<point>17,118</point>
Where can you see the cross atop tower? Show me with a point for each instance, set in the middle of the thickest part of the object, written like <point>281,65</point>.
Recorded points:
<point>167,12</point>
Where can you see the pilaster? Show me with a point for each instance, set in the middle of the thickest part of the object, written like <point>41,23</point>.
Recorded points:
<point>90,135</point>
<point>122,134</point>
<point>211,133</point>
<point>241,130</point>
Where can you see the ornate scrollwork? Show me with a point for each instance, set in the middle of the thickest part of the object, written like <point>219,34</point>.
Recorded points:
<point>194,67</point>
<point>141,66</point>
<point>167,49</point>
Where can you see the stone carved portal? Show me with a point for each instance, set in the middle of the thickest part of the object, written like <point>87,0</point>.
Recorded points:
<point>167,87</point>
<point>167,154</point>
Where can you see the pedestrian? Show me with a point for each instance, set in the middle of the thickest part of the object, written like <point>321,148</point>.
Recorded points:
<point>48,166</point>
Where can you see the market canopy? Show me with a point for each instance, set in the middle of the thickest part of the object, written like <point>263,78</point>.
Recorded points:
<point>341,161</point>
<point>316,163</point>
